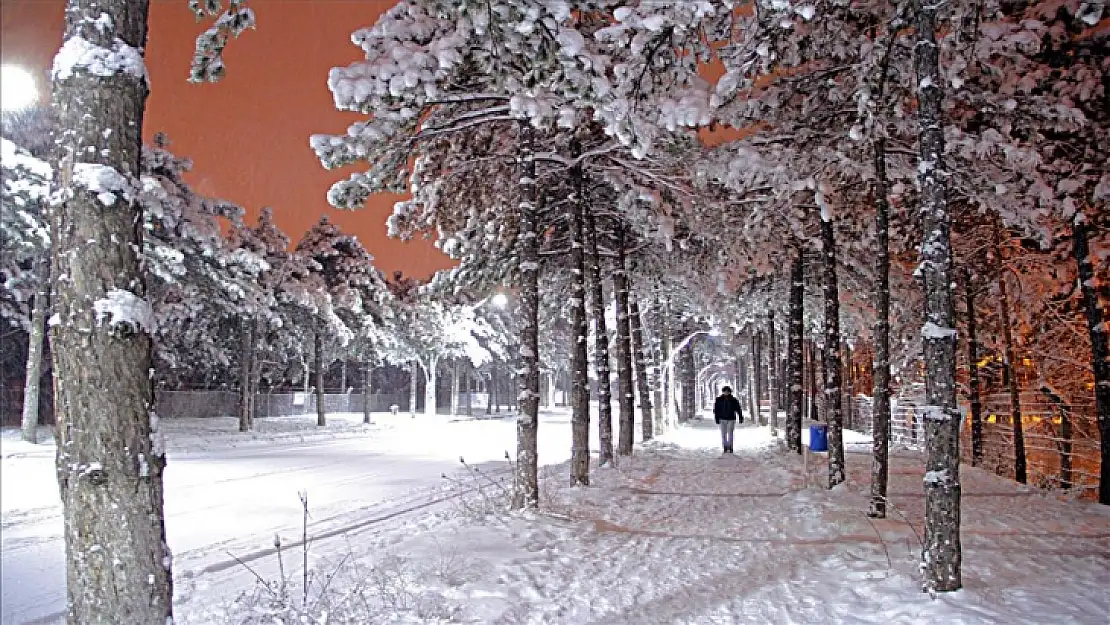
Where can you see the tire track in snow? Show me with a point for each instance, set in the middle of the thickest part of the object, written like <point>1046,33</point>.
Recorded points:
<point>410,506</point>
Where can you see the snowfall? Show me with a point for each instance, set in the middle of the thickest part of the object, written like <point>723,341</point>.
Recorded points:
<point>400,531</point>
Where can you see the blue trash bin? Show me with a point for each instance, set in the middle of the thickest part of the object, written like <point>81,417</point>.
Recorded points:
<point>819,437</point>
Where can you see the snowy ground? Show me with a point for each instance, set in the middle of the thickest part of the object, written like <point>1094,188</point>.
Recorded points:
<point>676,534</point>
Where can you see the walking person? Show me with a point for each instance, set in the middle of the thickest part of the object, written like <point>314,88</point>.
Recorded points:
<point>726,410</point>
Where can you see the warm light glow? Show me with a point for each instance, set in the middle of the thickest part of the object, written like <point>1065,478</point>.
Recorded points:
<point>500,300</point>
<point>17,88</point>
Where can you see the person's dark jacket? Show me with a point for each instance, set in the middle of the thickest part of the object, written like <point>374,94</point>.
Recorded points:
<point>727,407</point>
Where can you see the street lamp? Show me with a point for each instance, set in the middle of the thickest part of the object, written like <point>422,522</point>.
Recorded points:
<point>17,88</point>
<point>500,300</point>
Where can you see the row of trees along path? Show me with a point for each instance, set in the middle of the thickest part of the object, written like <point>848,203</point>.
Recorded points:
<point>550,143</point>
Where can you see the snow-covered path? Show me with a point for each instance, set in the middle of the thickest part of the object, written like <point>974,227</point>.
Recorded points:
<point>678,534</point>
<point>228,494</point>
<point>675,534</point>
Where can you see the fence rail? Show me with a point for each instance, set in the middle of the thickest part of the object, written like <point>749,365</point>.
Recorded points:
<point>1060,436</point>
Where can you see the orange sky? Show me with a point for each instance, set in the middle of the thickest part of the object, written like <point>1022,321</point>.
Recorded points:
<point>248,134</point>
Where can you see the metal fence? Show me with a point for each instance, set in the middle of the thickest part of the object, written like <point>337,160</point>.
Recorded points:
<point>1060,436</point>
<point>204,404</point>
<point>1061,440</point>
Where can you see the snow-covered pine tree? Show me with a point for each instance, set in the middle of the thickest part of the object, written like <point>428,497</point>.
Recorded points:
<point>289,303</point>
<point>355,290</point>
<point>197,280</point>
<point>25,242</point>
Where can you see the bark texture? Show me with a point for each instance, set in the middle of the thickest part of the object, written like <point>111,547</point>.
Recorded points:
<point>624,351</point>
<point>794,357</point>
<point>772,372</point>
<point>601,347</point>
<point>880,378</point>
<point>643,385</point>
<point>941,553</point>
<point>526,493</point>
<point>831,352</point>
<point>29,425</point>
<point>246,376</point>
<point>973,373</point>
<point>455,388</point>
<point>367,396</point>
<point>757,379</point>
<point>110,459</point>
<point>1100,358</point>
<point>753,388</point>
<point>686,375</point>
<point>318,356</point>
<point>413,370</point>
<point>1008,370</point>
<point>431,373</point>
<point>579,331</point>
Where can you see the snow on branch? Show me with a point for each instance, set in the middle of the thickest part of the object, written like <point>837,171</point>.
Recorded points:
<point>208,61</point>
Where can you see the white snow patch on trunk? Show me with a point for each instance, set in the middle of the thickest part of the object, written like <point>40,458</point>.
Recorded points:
<point>125,308</point>
<point>78,53</point>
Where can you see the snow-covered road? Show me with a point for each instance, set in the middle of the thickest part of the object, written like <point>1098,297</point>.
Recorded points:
<point>225,502</point>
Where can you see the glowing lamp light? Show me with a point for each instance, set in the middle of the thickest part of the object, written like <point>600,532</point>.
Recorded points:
<point>500,300</point>
<point>17,88</point>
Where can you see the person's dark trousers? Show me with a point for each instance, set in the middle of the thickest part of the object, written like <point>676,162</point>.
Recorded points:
<point>728,429</point>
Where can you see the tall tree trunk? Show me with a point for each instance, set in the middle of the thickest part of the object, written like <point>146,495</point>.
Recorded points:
<point>255,371</point>
<point>973,373</point>
<point>413,370</point>
<point>488,384</point>
<point>552,388</point>
<point>495,387</point>
<point>757,380</point>
<point>737,373</point>
<point>307,376</point>
<point>833,397</point>
<point>849,387</point>
<point>624,350</point>
<point>367,396</point>
<point>246,391</point>
<point>35,341</point>
<point>753,390</point>
<point>431,373</point>
<point>455,389</point>
<point>666,378</point>
<point>469,377</point>
<point>1100,358</point>
<point>772,373</point>
<point>1063,435</point>
<point>880,377</point>
<point>110,459</point>
<point>579,331</point>
<point>811,368</point>
<point>1008,368</point>
<point>794,354</point>
<point>643,385</point>
<point>526,491</point>
<point>687,381</point>
<point>318,356</point>
<point>942,553</point>
<point>601,346</point>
